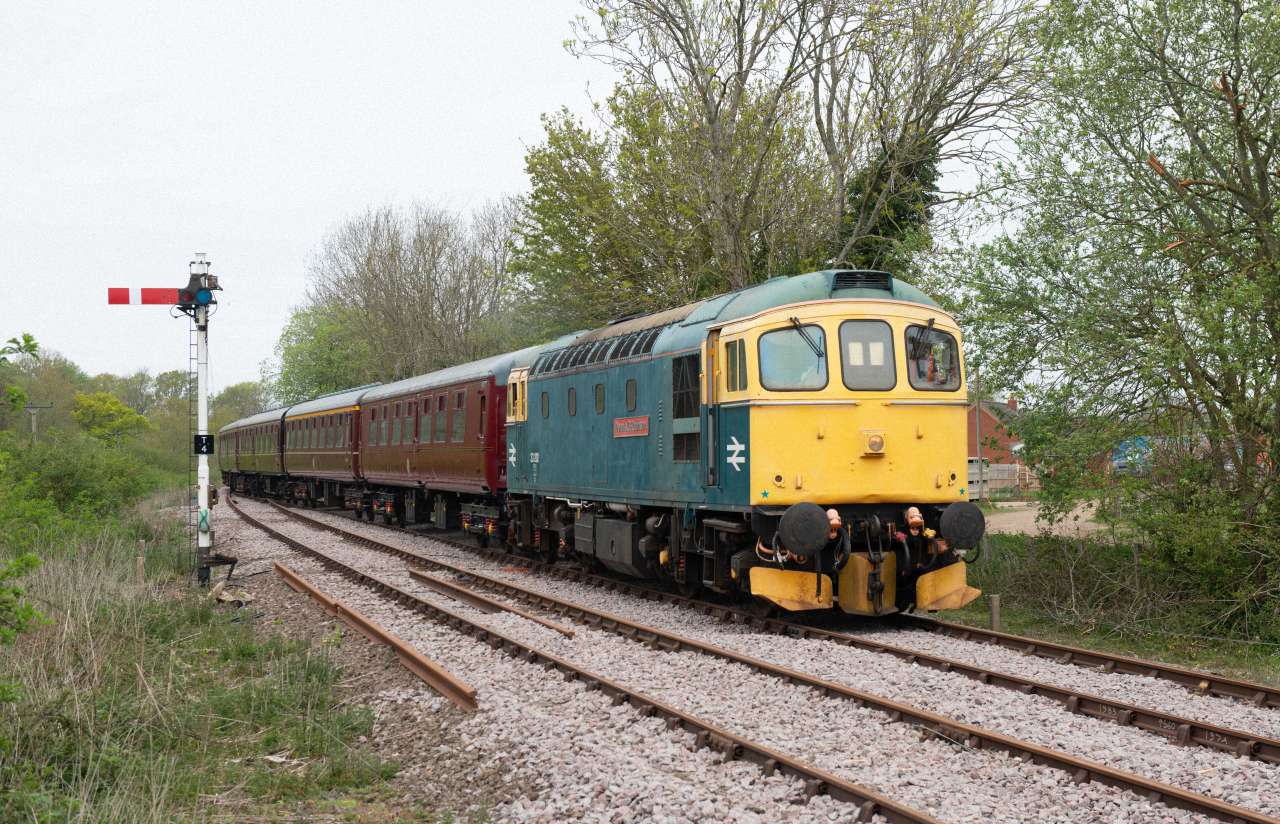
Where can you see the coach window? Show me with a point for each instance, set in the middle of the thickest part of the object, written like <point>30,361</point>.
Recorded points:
<point>933,361</point>
<point>424,423</point>
<point>631,394</point>
<point>442,414</point>
<point>395,427</point>
<point>546,405</point>
<point>572,401</point>
<point>459,416</point>
<point>383,438</point>
<point>793,359</point>
<point>599,398</point>
<point>483,406</point>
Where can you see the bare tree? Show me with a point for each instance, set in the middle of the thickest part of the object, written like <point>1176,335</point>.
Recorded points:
<point>922,80</point>
<point>887,86</point>
<point>426,289</point>
<point>730,68</point>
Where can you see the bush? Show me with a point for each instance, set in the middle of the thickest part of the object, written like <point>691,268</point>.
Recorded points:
<point>68,485</point>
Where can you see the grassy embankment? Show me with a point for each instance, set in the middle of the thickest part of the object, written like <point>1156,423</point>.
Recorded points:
<point>1102,595</point>
<point>144,702</point>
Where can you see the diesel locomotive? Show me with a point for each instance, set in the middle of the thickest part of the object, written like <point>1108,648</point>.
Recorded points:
<point>802,442</point>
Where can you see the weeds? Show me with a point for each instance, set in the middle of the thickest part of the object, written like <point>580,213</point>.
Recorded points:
<point>135,705</point>
<point>1108,593</point>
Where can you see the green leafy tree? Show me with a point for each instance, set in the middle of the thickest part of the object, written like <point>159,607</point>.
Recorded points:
<point>907,193</point>
<point>1141,294</point>
<point>106,417</point>
<point>617,220</point>
<point>15,396</point>
<point>236,401</point>
<point>320,350</point>
<point>25,345</point>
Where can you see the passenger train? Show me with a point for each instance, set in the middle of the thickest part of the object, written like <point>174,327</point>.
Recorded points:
<point>802,442</point>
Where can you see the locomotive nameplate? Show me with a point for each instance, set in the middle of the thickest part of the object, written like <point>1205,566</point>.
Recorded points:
<point>637,427</point>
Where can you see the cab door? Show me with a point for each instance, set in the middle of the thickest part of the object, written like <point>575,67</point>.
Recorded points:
<point>517,448</point>
<point>710,411</point>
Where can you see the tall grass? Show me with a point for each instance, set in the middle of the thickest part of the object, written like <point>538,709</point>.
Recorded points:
<point>145,702</point>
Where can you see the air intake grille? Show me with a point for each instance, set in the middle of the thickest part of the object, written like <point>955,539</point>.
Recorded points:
<point>862,279</point>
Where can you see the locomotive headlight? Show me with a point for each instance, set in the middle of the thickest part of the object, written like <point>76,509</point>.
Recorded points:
<point>875,444</point>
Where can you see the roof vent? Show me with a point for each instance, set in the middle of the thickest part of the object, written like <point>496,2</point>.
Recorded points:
<point>862,279</point>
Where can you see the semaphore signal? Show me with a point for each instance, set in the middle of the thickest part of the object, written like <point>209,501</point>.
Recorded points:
<point>192,300</point>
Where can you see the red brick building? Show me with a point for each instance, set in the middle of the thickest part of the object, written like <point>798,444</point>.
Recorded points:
<point>998,446</point>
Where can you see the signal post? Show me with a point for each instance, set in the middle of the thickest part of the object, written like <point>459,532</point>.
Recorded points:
<point>194,300</point>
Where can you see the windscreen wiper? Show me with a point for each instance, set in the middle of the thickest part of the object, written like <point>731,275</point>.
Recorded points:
<point>800,328</point>
<point>924,338</point>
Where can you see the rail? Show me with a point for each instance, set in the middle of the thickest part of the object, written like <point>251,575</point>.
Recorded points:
<point>435,676</point>
<point>1177,729</point>
<point>1081,770</point>
<point>732,746</point>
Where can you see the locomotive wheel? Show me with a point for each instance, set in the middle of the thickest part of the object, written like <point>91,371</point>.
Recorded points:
<point>689,589</point>
<point>549,546</point>
<point>761,607</point>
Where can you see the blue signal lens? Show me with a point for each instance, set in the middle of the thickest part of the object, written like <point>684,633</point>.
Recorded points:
<point>204,297</point>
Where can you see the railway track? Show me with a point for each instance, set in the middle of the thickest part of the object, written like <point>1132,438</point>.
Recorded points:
<point>1175,728</point>
<point>1080,770</point>
<point>441,680</point>
<point>816,781</point>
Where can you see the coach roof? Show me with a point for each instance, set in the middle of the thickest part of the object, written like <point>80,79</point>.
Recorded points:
<point>334,400</point>
<point>270,416</point>
<point>499,366</point>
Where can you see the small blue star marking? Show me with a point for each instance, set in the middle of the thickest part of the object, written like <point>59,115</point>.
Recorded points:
<point>764,493</point>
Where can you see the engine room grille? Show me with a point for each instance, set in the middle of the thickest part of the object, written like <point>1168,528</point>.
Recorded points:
<point>862,279</point>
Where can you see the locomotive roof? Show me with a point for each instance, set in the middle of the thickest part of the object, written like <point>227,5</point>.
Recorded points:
<point>683,327</point>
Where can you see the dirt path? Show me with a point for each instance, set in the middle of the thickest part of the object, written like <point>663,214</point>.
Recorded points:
<point>1022,518</point>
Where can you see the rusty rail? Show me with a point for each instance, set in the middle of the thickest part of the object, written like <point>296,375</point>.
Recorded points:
<point>1197,681</point>
<point>435,676</point>
<point>1081,770</point>
<point>482,602</point>
<point>816,781</point>
<point>1177,729</point>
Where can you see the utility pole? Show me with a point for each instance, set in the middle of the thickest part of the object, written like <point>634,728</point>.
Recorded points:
<point>33,409</point>
<point>977,431</point>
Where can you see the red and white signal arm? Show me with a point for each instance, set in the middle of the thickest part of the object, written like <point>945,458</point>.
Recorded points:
<point>134,295</point>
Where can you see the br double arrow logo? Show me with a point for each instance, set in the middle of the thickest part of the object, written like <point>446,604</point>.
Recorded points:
<point>736,453</point>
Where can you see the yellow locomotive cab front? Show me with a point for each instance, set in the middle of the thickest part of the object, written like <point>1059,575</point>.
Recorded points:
<point>859,405</point>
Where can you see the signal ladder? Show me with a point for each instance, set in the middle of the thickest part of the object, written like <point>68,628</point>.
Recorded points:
<point>193,482</point>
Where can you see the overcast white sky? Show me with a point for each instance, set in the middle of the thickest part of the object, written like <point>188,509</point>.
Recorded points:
<point>133,134</point>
